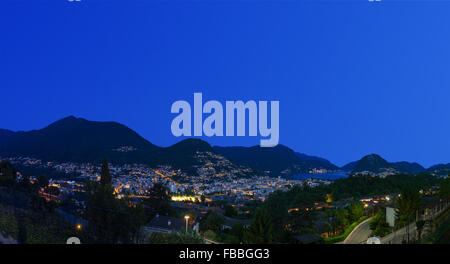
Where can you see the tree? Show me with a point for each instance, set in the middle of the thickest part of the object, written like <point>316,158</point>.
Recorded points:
<point>230,211</point>
<point>106,177</point>
<point>338,219</point>
<point>40,187</point>
<point>341,218</point>
<point>43,182</point>
<point>276,207</point>
<point>202,198</point>
<point>112,220</point>
<point>7,173</point>
<point>25,184</point>
<point>378,224</point>
<point>158,201</point>
<point>408,205</point>
<point>330,198</point>
<point>420,225</point>
<point>238,231</point>
<point>101,210</point>
<point>212,221</point>
<point>301,220</point>
<point>356,211</point>
<point>260,230</point>
<point>444,189</point>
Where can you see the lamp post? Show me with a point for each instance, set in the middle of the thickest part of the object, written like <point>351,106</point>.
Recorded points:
<point>186,217</point>
<point>366,206</point>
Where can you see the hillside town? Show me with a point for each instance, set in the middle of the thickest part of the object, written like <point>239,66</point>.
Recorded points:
<point>217,179</point>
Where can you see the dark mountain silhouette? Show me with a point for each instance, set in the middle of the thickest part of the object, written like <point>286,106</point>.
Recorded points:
<point>72,138</point>
<point>376,164</point>
<point>181,154</point>
<point>80,140</point>
<point>279,160</point>
<point>440,169</point>
<point>412,167</point>
<point>304,156</point>
<point>349,166</point>
<point>372,162</point>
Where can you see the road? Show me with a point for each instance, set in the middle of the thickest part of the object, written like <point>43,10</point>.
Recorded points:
<point>359,234</point>
<point>207,241</point>
<point>362,232</point>
<point>7,240</point>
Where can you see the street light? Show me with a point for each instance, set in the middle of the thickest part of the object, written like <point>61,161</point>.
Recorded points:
<point>79,227</point>
<point>187,219</point>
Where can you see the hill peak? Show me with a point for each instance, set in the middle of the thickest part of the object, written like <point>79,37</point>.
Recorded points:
<point>376,164</point>
<point>372,156</point>
<point>193,143</point>
<point>74,139</point>
<point>68,121</point>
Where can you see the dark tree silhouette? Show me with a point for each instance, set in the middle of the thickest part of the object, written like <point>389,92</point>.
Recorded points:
<point>260,230</point>
<point>158,201</point>
<point>7,173</point>
<point>106,177</point>
<point>111,220</point>
<point>408,205</point>
<point>444,189</point>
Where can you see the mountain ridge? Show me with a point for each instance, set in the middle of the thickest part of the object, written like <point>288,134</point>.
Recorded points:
<point>277,160</point>
<point>374,163</point>
<point>78,139</point>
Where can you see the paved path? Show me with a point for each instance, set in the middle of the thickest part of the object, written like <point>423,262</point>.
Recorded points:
<point>359,234</point>
<point>208,241</point>
<point>362,232</point>
<point>7,240</point>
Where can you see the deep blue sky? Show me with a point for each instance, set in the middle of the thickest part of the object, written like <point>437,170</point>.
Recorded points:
<point>352,77</point>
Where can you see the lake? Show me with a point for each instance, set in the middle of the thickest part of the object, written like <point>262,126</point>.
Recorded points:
<point>325,176</point>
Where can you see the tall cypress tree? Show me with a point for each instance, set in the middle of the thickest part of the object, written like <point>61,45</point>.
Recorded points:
<point>106,177</point>
<point>7,173</point>
<point>111,220</point>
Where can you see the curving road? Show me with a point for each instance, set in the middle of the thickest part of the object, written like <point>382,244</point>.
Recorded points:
<point>6,240</point>
<point>362,232</point>
<point>359,234</point>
